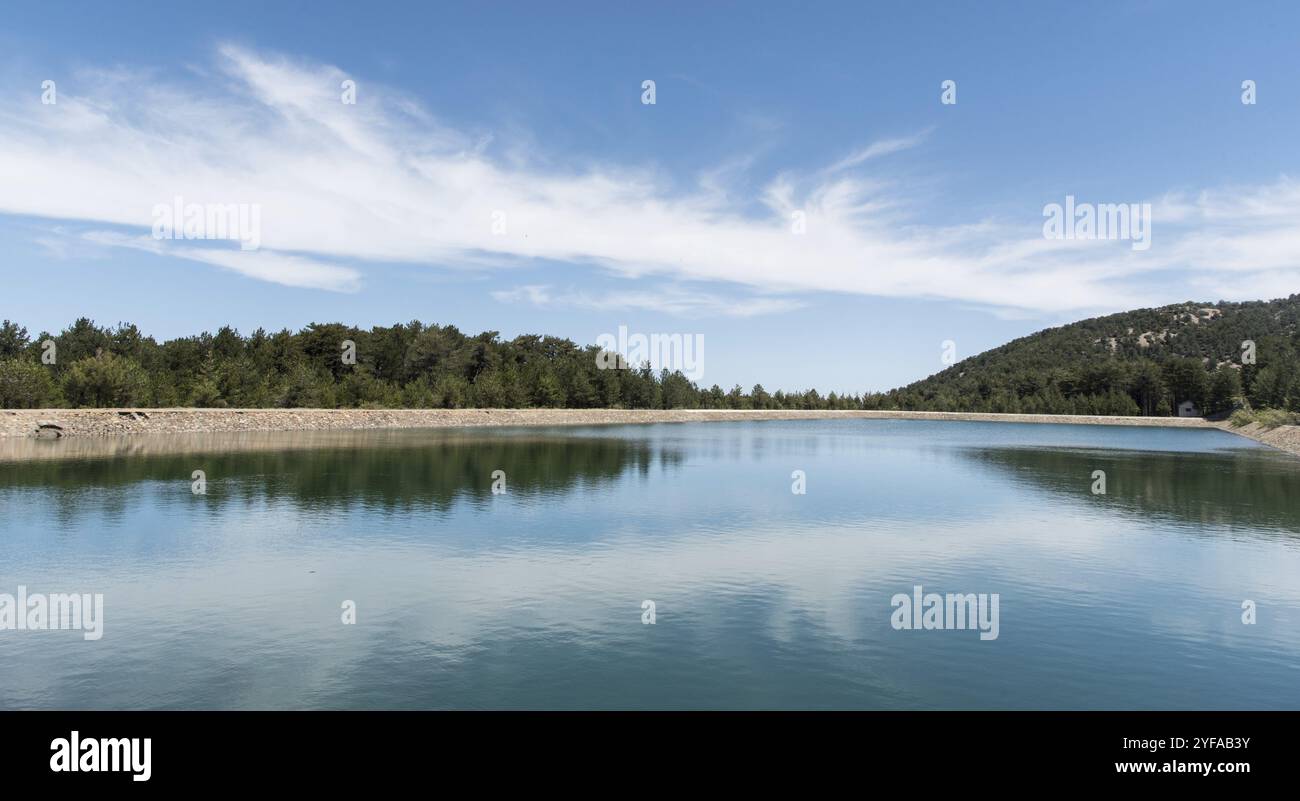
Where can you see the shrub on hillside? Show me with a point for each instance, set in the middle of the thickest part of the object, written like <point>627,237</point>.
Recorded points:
<point>106,381</point>
<point>1272,418</point>
<point>25,385</point>
<point>1241,417</point>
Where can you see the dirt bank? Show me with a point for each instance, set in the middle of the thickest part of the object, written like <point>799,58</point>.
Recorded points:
<point>97,431</point>
<point>114,422</point>
<point>1284,438</point>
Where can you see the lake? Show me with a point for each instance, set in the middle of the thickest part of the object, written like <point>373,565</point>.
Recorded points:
<point>761,596</point>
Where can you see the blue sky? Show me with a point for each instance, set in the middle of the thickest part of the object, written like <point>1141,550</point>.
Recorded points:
<point>922,221</point>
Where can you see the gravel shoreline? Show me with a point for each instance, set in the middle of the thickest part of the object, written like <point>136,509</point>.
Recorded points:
<point>145,424</point>
<point>1284,438</point>
<point>113,422</point>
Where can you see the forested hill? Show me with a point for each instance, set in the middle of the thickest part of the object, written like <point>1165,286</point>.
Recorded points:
<point>1138,362</point>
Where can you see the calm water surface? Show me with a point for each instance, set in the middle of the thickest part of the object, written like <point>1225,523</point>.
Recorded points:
<point>764,598</point>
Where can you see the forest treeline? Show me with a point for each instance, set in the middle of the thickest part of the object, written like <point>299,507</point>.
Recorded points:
<point>1221,356</point>
<point>1143,362</point>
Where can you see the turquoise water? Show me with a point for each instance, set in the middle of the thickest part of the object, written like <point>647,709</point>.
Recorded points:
<point>763,598</point>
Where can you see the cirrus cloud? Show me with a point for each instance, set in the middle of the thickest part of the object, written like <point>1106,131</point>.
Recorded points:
<point>346,187</point>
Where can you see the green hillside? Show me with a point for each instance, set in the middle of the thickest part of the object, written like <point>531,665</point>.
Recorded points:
<point>1138,362</point>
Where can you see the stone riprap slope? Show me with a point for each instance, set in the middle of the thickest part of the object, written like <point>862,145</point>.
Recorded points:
<point>114,422</point>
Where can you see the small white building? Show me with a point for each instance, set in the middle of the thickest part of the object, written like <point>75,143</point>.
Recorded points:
<point>1188,409</point>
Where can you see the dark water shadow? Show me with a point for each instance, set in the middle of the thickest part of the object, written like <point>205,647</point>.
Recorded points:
<point>1240,489</point>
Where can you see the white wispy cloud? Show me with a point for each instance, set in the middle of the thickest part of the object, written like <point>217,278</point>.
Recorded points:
<point>278,268</point>
<point>342,187</point>
<point>673,300</point>
<point>876,149</point>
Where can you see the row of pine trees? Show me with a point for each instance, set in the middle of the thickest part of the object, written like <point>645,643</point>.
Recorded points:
<point>415,365</point>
